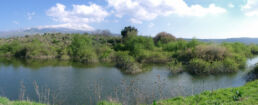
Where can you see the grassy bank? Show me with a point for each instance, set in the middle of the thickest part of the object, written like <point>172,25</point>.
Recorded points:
<point>245,95</point>
<point>130,52</point>
<point>5,101</point>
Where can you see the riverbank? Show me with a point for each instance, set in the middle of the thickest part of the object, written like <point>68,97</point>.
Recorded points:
<point>245,95</point>
<point>6,101</point>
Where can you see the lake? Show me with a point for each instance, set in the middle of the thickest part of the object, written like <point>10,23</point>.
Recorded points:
<point>69,83</point>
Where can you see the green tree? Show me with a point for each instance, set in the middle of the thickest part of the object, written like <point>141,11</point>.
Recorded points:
<point>129,31</point>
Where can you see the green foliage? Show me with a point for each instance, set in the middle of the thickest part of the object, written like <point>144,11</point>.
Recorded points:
<point>254,49</point>
<point>105,53</point>
<point>175,46</point>
<point>37,49</point>
<point>127,63</point>
<point>129,31</point>
<point>230,65</point>
<point>10,49</point>
<point>176,66</point>
<point>5,101</point>
<point>81,49</point>
<point>193,43</point>
<point>238,48</point>
<point>245,95</point>
<point>198,66</point>
<point>108,103</point>
<point>136,45</point>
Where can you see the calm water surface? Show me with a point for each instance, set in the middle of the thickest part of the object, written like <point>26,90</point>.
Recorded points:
<point>67,83</point>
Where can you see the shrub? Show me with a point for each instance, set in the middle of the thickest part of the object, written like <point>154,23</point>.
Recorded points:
<point>163,38</point>
<point>193,43</point>
<point>39,50</point>
<point>81,49</point>
<point>127,63</point>
<point>198,66</point>
<point>175,46</point>
<point>230,65</point>
<point>10,49</point>
<point>210,52</point>
<point>217,67</point>
<point>136,44</point>
<point>175,67</point>
<point>105,53</point>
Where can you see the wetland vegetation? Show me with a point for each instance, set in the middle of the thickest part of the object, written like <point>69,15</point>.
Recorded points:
<point>130,51</point>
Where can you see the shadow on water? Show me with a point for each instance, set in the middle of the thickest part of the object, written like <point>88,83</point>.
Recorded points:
<point>37,64</point>
<point>70,83</point>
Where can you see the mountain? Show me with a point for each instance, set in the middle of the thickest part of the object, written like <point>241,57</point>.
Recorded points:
<point>242,40</point>
<point>32,31</point>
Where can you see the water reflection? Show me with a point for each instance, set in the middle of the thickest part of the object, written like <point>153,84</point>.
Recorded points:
<point>72,83</point>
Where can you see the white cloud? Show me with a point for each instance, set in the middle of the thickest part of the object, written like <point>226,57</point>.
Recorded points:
<point>135,21</point>
<point>251,8</point>
<point>78,17</point>
<point>150,9</point>
<point>82,27</point>
<point>30,15</point>
<point>230,5</point>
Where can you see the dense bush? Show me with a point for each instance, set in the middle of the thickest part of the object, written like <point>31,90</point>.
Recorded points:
<point>136,45</point>
<point>210,52</point>
<point>127,63</point>
<point>81,49</point>
<point>164,38</point>
<point>175,46</point>
<point>198,66</point>
<point>175,66</point>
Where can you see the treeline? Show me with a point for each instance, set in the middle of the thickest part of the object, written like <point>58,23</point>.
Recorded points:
<point>130,52</point>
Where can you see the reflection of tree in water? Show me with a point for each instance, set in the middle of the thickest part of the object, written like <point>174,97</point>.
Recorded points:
<point>37,64</point>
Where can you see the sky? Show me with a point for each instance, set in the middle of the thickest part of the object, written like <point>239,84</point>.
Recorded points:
<point>182,18</point>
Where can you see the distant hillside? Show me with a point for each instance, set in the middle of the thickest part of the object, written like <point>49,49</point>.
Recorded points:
<point>241,40</point>
<point>33,31</point>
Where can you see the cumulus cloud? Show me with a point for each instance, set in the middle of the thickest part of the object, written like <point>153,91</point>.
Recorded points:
<point>135,21</point>
<point>251,8</point>
<point>30,15</point>
<point>144,10</point>
<point>70,26</point>
<point>78,17</point>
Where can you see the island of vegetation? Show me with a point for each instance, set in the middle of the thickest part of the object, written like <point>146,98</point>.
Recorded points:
<point>131,52</point>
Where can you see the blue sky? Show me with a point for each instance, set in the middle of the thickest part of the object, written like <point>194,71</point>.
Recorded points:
<point>183,18</point>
